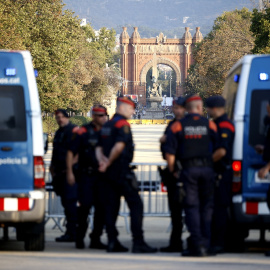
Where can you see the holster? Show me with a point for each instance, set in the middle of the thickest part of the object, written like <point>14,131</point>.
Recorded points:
<point>179,192</point>
<point>58,182</point>
<point>131,178</point>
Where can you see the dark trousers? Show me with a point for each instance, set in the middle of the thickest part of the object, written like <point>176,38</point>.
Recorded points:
<point>222,200</point>
<point>90,192</point>
<point>114,191</point>
<point>68,195</point>
<point>198,204</point>
<point>176,208</point>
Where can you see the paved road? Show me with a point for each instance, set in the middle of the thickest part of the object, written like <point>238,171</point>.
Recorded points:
<point>65,256</point>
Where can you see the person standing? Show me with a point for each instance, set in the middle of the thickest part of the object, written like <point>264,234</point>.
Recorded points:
<point>114,153</point>
<point>192,141</point>
<point>265,151</point>
<point>67,193</point>
<point>172,184</point>
<point>90,186</point>
<point>222,158</point>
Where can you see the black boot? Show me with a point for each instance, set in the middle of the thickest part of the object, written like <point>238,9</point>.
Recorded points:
<point>97,244</point>
<point>79,244</point>
<point>65,238</point>
<point>142,247</point>
<point>171,248</point>
<point>116,246</point>
<point>198,252</point>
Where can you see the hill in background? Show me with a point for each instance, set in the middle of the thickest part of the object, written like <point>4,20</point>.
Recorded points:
<point>154,16</point>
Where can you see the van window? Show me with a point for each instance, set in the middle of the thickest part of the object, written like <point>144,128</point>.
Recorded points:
<point>257,129</point>
<point>12,114</point>
<point>230,89</point>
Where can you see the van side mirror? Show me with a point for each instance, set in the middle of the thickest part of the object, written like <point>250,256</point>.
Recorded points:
<point>45,140</point>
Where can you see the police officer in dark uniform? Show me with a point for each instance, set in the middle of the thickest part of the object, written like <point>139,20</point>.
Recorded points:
<point>89,181</point>
<point>114,153</point>
<point>222,158</point>
<point>192,140</point>
<point>67,193</point>
<point>171,183</point>
<point>265,149</point>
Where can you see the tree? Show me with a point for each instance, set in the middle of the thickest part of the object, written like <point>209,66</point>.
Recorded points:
<point>71,68</point>
<point>228,41</point>
<point>261,29</point>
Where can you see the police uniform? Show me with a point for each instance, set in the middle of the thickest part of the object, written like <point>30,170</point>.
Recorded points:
<point>266,157</point>
<point>224,174</point>
<point>67,193</point>
<point>175,205</point>
<point>90,194</point>
<point>192,140</point>
<point>121,181</point>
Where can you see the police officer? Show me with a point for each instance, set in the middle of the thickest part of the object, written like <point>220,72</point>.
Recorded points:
<point>170,181</point>
<point>192,141</point>
<point>90,187</point>
<point>265,149</point>
<point>114,154</point>
<point>222,158</point>
<point>67,193</point>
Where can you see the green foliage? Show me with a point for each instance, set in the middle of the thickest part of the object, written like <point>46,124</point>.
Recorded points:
<point>229,40</point>
<point>71,69</point>
<point>80,120</point>
<point>261,29</point>
<point>49,125</point>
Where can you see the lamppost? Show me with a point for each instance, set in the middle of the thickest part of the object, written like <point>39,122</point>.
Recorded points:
<point>170,85</point>
<point>165,108</point>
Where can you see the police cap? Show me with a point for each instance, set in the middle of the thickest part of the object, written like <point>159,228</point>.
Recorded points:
<point>64,112</point>
<point>191,98</point>
<point>215,102</point>
<point>179,101</point>
<point>126,100</point>
<point>99,109</point>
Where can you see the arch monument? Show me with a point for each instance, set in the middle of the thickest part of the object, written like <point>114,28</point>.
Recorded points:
<point>138,55</point>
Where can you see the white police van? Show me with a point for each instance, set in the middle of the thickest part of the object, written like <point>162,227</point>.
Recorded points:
<point>247,93</point>
<point>22,193</point>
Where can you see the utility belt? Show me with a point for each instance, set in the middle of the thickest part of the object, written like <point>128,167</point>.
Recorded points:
<point>197,162</point>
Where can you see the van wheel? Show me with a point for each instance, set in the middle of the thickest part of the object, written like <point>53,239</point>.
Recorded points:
<point>35,240</point>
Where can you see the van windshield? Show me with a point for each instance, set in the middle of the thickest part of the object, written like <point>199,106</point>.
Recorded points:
<point>258,111</point>
<point>12,114</point>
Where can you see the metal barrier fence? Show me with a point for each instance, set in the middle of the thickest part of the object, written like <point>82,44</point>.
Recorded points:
<point>151,190</point>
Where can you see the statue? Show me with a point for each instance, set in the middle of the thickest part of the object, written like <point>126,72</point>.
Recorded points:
<point>156,89</point>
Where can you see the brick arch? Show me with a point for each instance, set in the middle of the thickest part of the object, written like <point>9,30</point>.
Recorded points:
<point>164,61</point>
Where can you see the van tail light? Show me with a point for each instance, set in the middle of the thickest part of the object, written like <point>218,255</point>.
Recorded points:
<point>237,176</point>
<point>39,173</point>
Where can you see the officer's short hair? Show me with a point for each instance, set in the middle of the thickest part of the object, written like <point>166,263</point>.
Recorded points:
<point>215,102</point>
<point>64,112</point>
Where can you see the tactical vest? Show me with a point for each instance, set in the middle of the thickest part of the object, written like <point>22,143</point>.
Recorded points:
<point>87,155</point>
<point>60,145</point>
<point>109,135</point>
<point>195,142</point>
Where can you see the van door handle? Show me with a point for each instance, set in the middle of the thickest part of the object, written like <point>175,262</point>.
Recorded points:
<point>6,148</point>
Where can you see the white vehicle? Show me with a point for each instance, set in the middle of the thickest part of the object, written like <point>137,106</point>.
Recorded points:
<point>22,184</point>
<point>247,92</point>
